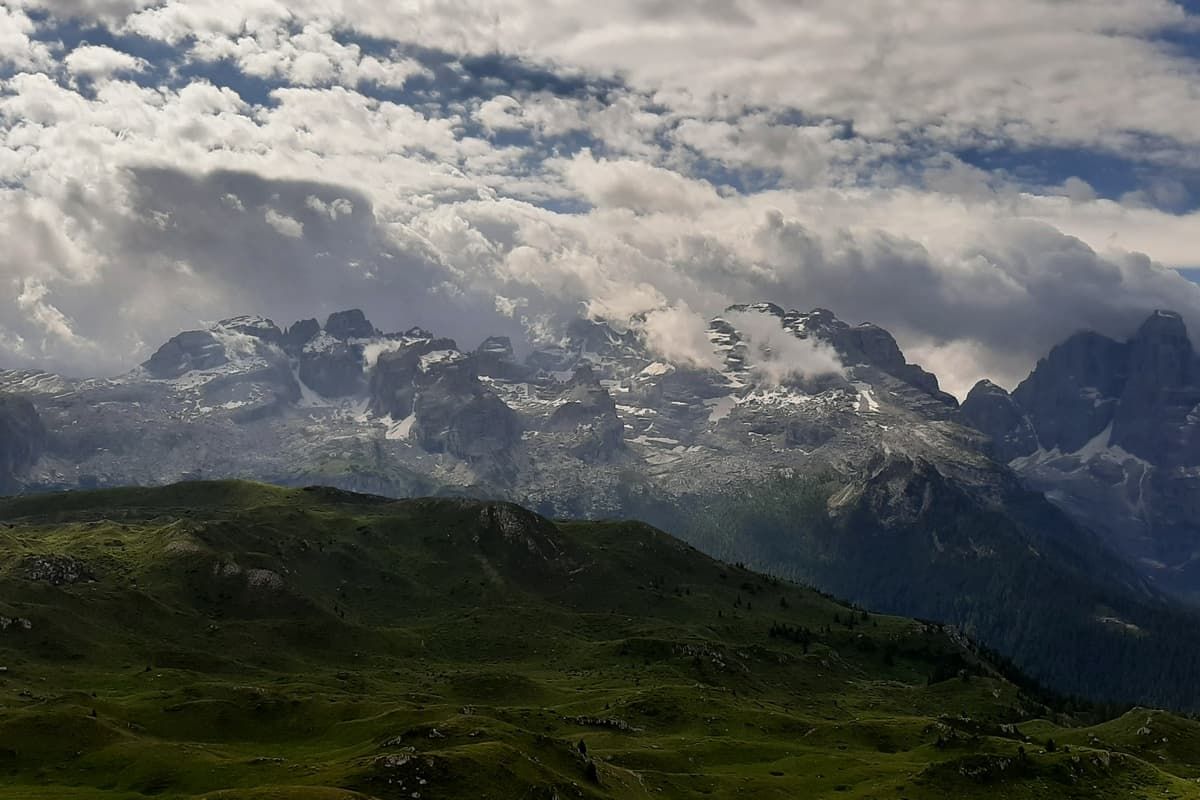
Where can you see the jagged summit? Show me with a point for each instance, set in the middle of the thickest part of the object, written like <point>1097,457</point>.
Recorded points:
<point>1111,431</point>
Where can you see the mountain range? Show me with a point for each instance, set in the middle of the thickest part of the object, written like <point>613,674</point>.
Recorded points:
<point>1110,430</point>
<point>1051,524</point>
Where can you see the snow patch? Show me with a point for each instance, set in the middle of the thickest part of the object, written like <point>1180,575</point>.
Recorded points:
<point>720,407</point>
<point>440,358</point>
<point>655,440</point>
<point>322,343</point>
<point>866,399</point>
<point>399,431</point>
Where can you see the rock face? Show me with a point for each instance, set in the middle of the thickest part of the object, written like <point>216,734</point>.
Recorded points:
<point>352,324</point>
<point>256,327</point>
<point>494,358</point>
<point>300,334</point>
<point>1071,395</point>
<point>454,413</point>
<point>866,345</point>
<point>190,350</point>
<point>22,440</point>
<point>331,360</point>
<point>589,414</point>
<point>871,344</point>
<point>993,411</point>
<point>332,367</point>
<point>435,386</point>
<point>394,380</point>
<point>1153,415</point>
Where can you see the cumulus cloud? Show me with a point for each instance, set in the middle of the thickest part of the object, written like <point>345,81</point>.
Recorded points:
<point>311,57</point>
<point>680,335</point>
<point>17,48</point>
<point>97,61</point>
<point>636,186</point>
<point>285,225</point>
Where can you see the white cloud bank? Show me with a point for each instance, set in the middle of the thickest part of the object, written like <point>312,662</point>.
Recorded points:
<point>712,153</point>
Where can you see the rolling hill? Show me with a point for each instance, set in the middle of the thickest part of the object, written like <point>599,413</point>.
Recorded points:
<point>234,640</point>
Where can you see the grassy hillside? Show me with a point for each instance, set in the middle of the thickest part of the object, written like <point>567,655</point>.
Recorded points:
<point>1024,581</point>
<point>233,640</point>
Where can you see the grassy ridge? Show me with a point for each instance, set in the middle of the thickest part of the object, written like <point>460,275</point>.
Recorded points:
<point>1023,582</point>
<point>233,640</point>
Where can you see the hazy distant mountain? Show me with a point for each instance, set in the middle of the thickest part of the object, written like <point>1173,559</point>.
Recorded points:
<point>1110,431</point>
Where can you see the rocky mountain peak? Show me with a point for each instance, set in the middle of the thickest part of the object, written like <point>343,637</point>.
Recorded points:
<point>1070,396</point>
<point>761,308</point>
<point>350,324</point>
<point>254,326</point>
<point>1154,418</point>
<point>300,334</point>
<point>1144,388</point>
<point>1160,327</point>
<point>1161,354</point>
<point>1117,438</point>
<point>185,352</point>
<point>992,410</point>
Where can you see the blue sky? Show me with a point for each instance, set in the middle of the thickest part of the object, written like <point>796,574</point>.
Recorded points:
<point>982,181</point>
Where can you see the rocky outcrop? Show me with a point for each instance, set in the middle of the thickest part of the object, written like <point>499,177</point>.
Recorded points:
<point>589,415</point>
<point>527,533</point>
<point>332,367</point>
<point>351,324</point>
<point>253,394</point>
<point>873,345</point>
<point>393,386</point>
<point>1071,395</point>
<point>300,334</point>
<point>331,359</point>
<point>57,570</point>
<point>183,353</point>
<point>494,358</point>
<point>495,348</point>
<point>454,413</point>
<point>438,386</point>
<point>990,409</point>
